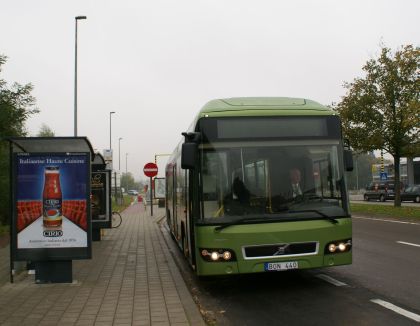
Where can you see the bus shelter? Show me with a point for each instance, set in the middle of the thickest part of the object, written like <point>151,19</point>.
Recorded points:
<point>50,204</point>
<point>101,196</point>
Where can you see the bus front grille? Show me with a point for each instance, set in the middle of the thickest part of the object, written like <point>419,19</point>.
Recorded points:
<point>280,250</point>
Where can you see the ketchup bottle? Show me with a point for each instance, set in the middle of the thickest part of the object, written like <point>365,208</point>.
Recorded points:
<point>52,197</point>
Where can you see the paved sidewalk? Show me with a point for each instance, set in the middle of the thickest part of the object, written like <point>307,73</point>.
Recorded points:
<point>131,280</point>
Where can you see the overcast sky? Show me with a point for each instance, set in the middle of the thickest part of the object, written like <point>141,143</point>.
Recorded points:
<point>157,62</point>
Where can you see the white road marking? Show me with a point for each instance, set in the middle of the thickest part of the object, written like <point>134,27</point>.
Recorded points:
<point>331,280</point>
<point>409,244</point>
<point>397,309</point>
<point>382,220</point>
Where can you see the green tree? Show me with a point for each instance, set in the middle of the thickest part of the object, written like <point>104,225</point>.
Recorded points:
<point>16,105</point>
<point>45,131</point>
<point>127,181</point>
<point>361,175</point>
<point>382,110</point>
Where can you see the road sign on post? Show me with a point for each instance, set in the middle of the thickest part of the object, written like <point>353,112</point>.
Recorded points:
<point>150,170</point>
<point>384,176</point>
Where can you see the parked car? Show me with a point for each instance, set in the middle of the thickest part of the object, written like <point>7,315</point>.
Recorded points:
<point>133,192</point>
<point>380,191</point>
<point>411,193</point>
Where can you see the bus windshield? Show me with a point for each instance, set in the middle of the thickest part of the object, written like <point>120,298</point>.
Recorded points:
<point>271,179</point>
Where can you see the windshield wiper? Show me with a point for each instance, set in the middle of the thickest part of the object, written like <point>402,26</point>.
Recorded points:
<point>268,218</point>
<point>331,219</point>
<point>242,220</point>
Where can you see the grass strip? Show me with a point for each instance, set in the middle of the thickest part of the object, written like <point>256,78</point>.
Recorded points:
<point>385,210</point>
<point>126,202</point>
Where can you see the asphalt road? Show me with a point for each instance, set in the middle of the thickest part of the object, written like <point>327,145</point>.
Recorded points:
<point>385,273</point>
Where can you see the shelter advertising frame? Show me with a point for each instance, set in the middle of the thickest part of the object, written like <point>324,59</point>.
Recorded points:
<point>159,188</point>
<point>101,199</point>
<point>51,206</point>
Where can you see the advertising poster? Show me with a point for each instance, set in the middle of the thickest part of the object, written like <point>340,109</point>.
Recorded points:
<point>51,197</point>
<point>100,199</point>
<point>159,188</point>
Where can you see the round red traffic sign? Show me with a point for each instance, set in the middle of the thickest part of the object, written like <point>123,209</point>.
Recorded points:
<point>150,170</point>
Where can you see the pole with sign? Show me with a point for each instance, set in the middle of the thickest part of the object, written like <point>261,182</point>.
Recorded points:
<point>150,170</point>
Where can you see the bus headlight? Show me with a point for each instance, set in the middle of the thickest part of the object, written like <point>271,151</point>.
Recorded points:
<point>217,254</point>
<point>339,246</point>
<point>214,256</point>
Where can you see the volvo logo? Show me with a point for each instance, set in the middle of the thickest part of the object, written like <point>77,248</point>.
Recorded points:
<point>281,250</point>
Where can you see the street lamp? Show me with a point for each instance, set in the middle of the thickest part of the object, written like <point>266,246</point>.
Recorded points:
<point>110,114</point>
<point>119,154</point>
<point>77,18</point>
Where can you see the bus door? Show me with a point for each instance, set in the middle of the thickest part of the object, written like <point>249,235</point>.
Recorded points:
<point>192,213</point>
<point>174,201</point>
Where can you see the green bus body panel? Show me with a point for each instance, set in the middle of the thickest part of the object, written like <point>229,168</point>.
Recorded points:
<point>235,237</point>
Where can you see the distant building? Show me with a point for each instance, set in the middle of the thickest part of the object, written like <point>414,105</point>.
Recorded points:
<point>389,170</point>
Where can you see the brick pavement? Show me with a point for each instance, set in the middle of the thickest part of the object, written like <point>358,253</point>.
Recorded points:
<point>4,264</point>
<point>131,280</point>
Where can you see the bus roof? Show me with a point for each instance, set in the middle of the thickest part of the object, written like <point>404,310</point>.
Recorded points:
<point>260,106</point>
<point>264,104</point>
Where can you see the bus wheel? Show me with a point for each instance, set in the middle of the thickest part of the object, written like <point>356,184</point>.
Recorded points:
<point>382,198</point>
<point>417,199</point>
<point>366,198</point>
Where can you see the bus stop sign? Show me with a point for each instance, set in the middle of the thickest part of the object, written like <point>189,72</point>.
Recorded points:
<point>150,170</point>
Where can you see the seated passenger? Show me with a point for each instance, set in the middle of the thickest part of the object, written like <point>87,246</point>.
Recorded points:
<point>238,201</point>
<point>295,179</point>
<point>240,191</point>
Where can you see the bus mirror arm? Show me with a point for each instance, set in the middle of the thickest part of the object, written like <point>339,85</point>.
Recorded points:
<point>192,137</point>
<point>189,151</point>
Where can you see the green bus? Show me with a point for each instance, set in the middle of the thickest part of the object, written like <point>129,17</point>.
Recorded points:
<point>258,185</point>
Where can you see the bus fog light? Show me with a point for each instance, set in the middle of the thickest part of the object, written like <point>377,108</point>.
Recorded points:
<point>227,255</point>
<point>214,256</point>
<point>332,247</point>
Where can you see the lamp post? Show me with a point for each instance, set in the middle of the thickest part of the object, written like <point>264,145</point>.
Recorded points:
<point>126,154</point>
<point>357,172</point>
<point>119,154</point>
<point>77,18</point>
<point>110,115</point>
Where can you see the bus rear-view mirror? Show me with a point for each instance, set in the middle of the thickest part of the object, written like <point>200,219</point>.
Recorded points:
<point>348,160</point>
<point>189,156</point>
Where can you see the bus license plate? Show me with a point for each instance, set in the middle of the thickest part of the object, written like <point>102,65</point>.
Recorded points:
<point>281,266</point>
